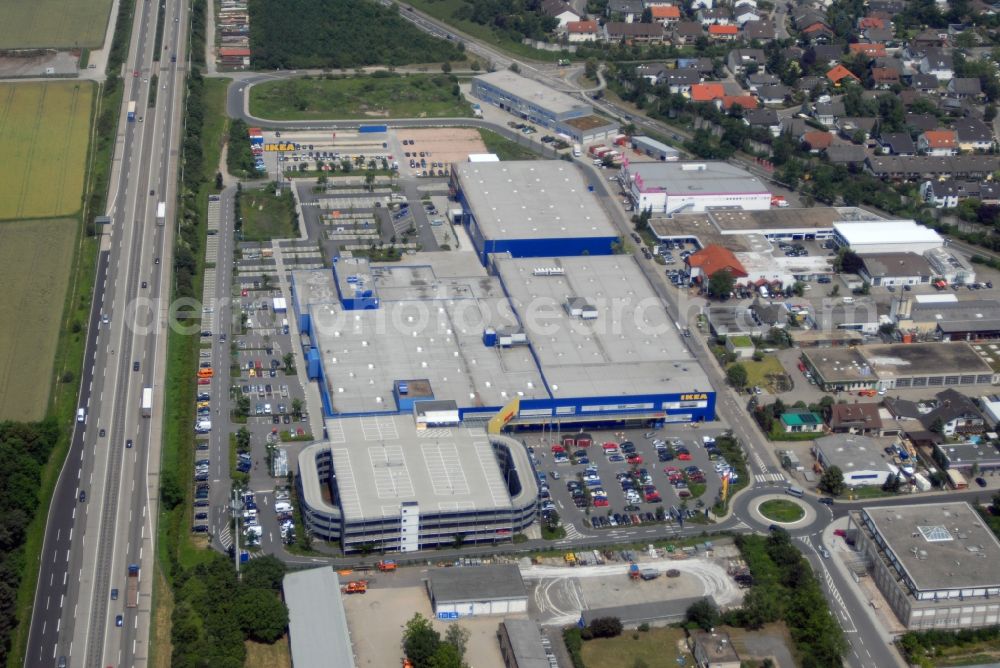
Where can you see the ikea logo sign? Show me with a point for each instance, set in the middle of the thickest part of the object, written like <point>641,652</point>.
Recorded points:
<point>694,397</point>
<point>279,147</point>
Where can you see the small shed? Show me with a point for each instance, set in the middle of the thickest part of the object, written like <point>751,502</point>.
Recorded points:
<point>741,346</point>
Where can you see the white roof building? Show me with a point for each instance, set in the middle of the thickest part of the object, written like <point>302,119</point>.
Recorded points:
<point>886,236</point>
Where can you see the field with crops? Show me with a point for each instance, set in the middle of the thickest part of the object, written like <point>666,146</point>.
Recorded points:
<point>64,24</point>
<point>46,128</point>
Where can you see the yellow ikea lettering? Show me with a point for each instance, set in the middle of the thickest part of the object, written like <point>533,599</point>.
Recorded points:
<point>693,397</point>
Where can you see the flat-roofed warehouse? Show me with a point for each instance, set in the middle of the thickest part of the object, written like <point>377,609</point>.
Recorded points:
<point>477,590</point>
<point>531,208</point>
<point>936,565</point>
<point>540,104</point>
<point>927,365</point>
<point>675,187</point>
<point>886,236</point>
<point>858,457</point>
<point>317,623</point>
<point>382,482</point>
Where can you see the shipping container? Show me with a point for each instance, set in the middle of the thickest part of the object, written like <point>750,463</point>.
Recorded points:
<point>369,129</point>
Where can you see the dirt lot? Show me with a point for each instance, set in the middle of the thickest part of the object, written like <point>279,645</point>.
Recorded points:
<point>389,609</point>
<point>562,593</point>
<point>445,145</point>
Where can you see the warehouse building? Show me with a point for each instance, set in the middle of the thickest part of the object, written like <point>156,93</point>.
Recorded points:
<point>935,565</point>
<point>655,149</point>
<point>895,269</point>
<point>521,645</point>
<point>951,320</point>
<point>384,483</point>
<point>317,623</point>
<point>605,353</point>
<point>536,103</point>
<point>775,224</point>
<point>676,187</point>
<point>531,208</point>
<point>970,458</point>
<point>473,591</point>
<point>933,365</point>
<point>950,267</point>
<point>886,236</point>
<point>858,457</point>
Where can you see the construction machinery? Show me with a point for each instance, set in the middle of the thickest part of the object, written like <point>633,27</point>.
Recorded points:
<point>356,587</point>
<point>386,566</point>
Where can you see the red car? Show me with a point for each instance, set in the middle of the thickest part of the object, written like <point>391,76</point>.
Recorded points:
<point>634,459</point>
<point>840,532</point>
<point>600,502</point>
<point>610,446</point>
<point>135,73</point>
<point>671,469</point>
<point>204,381</point>
<point>558,448</point>
<point>684,456</point>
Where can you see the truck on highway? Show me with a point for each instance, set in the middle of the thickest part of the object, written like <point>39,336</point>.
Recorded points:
<point>161,212</point>
<point>131,110</point>
<point>147,402</point>
<point>132,587</point>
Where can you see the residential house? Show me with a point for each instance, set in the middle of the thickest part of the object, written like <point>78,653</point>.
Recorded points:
<point>897,143</point>
<point>955,414</point>
<point>714,16</point>
<point>705,66</point>
<point>687,32</point>
<point>744,13</point>
<point>965,87</point>
<point>769,315</point>
<point>880,35</point>
<point>655,73</point>
<point>899,167</point>
<point>561,11</point>
<point>763,118</point>
<point>727,102</point>
<point>582,31</point>
<point>801,422</point>
<point>827,54</point>
<point>630,11</point>
<point>847,154</point>
<point>973,134</point>
<point>921,122</point>
<point>774,94</point>
<point>938,143</point>
<point>884,78</point>
<point>938,63</point>
<point>924,83</point>
<point>948,193</point>
<point>706,92</point>
<point>762,31</point>
<point>704,264</point>
<point>738,60</point>
<point>680,81</point>
<point>795,128</point>
<point>666,15</point>
<point>931,38</point>
<point>615,31</point>
<point>840,74</point>
<point>856,418</point>
<point>723,33</point>
<point>869,50</point>
<point>817,140</point>
<point>866,22</point>
<point>758,79</point>
<point>713,649</point>
<point>808,84</point>
<point>818,33</point>
<point>849,126</point>
<point>827,113</point>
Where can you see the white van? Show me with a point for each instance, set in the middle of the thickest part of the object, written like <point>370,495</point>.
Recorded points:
<point>282,507</point>
<point>81,415</point>
<point>794,491</point>
<point>848,300</point>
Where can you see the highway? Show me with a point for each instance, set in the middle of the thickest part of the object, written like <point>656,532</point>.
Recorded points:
<point>89,542</point>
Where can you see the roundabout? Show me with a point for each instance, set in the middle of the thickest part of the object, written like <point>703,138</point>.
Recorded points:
<point>781,511</point>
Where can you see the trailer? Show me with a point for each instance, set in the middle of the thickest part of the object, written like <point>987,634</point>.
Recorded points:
<point>387,566</point>
<point>132,587</point>
<point>147,402</point>
<point>372,129</point>
<point>161,213</point>
<point>131,110</point>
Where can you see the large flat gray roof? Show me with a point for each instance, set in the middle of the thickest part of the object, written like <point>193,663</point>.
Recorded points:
<point>940,546</point>
<point>383,461</point>
<point>317,623</point>
<point>703,177</point>
<point>526,643</point>
<point>532,91</point>
<point>476,583</point>
<point>532,199</point>
<point>851,453</point>
<point>915,359</point>
<point>630,348</point>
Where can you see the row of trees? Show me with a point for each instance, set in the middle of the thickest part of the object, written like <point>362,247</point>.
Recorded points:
<point>215,613</point>
<point>24,450</point>
<point>304,34</point>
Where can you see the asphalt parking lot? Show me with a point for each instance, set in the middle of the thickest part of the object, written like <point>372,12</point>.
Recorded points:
<point>608,467</point>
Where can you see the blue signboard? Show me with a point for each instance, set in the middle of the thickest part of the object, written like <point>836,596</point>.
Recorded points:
<point>447,615</point>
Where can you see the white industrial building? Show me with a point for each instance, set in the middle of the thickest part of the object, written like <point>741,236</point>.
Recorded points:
<point>477,590</point>
<point>675,187</point>
<point>889,236</point>
<point>858,457</point>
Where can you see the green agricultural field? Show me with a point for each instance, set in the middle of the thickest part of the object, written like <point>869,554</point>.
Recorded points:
<point>373,97</point>
<point>35,261</point>
<point>46,128</point>
<point>54,23</point>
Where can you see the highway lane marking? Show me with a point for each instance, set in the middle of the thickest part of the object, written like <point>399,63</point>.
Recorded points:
<point>48,600</point>
<point>65,575</point>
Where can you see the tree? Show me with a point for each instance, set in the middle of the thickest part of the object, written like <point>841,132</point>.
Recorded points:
<point>737,376</point>
<point>720,285</point>
<point>420,641</point>
<point>937,426</point>
<point>243,439</point>
<point>458,636</point>
<point>171,494</point>
<point>289,360</point>
<point>832,481</point>
<point>590,68</point>
<point>297,407</point>
<point>264,573</point>
<point>446,67</point>
<point>703,613</point>
<point>445,656</point>
<point>847,261</point>
<point>262,615</point>
<point>606,627</point>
